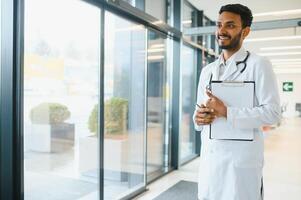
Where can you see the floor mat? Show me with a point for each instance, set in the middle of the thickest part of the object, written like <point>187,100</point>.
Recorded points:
<point>182,190</point>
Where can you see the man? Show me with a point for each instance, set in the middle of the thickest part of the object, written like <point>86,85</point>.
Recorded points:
<point>232,170</point>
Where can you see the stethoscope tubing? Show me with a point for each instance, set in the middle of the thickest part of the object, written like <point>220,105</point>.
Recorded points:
<point>244,62</point>
<point>237,63</point>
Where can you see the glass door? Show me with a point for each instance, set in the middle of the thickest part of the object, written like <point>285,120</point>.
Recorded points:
<point>157,112</point>
<point>125,102</point>
<point>61,103</point>
<point>188,97</point>
<point>61,89</point>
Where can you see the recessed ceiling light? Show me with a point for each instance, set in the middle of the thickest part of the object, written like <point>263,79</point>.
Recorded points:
<point>155,50</point>
<point>284,64</point>
<point>294,37</point>
<point>285,59</point>
<point>187,22</point>
<point>155,57</point>
<point>278,13</point>
<point>287,71</point>
<point>280,48</point>
<point>157,46</point>
<point>280,53</point>
<point>288,66</point>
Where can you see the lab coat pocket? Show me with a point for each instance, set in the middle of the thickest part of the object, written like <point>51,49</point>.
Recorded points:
<point>248,173</point>
<point>248,181</point>
<point>248,160</point>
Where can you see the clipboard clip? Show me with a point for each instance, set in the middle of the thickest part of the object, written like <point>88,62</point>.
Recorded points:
<point>233,83</point>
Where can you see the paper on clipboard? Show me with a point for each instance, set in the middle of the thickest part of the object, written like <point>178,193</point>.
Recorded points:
<point>234,94</point>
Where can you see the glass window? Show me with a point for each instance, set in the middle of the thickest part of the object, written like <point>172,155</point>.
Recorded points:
<point>61,71</point>
<point>208,40</point>
<point>157,90</point>
<point>156,8</point>
<point>124,146</point>
<point>188,97</point>
<point>189,20</point>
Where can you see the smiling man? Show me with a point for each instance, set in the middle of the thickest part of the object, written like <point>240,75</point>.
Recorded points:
<point>232,170</point>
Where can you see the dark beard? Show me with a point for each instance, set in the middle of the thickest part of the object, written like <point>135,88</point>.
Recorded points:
<point>234,42</point>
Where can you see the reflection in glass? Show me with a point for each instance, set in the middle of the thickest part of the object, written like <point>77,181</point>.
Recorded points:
<point>188,88</point>
<point>189,20</point>
<point>209,39</point>
<point>155,8</point>
<point>61,67</point>
<point>124,146</point>
<point>157,137</point>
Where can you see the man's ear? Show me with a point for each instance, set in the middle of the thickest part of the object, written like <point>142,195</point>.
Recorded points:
<point>246,32</point>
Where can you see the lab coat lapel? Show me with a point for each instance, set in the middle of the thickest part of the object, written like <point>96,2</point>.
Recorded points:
<point>215,71</point>
<point>230,70</point>
<point>233,68</point>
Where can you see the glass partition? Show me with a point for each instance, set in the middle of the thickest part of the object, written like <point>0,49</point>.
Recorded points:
<point>188,97</point>
<point>124,113</point>
<point>209,41</point>
<point>157,115</point>
<point>189,20</point>
<point>61,71</point>
<point>155,8</point>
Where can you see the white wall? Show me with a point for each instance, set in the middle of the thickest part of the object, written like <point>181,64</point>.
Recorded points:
<point>291,98</point>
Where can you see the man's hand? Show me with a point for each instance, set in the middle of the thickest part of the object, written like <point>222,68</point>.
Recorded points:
<point>220,110</point>
<point>204,116</point>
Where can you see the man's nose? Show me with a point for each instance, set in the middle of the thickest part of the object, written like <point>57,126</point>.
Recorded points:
<point>221,30</point>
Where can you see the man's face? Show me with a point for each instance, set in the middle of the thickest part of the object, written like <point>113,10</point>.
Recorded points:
<point>229,32</point>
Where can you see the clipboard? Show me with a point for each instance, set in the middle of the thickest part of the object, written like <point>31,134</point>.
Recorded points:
<point>235,94</point>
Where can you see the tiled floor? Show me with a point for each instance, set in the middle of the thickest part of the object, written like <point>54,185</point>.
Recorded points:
<point>282,171</point>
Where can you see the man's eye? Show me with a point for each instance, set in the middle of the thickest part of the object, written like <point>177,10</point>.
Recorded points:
<point>218,25</point>
<point>231,26</point>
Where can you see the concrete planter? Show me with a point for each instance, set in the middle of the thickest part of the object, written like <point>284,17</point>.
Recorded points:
<point>115,157</point>
<point>50,137</point>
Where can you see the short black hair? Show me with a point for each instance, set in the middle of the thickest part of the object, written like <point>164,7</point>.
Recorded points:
<point>244,12</point>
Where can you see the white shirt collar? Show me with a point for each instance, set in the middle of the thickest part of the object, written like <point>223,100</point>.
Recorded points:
<point>237,56</point>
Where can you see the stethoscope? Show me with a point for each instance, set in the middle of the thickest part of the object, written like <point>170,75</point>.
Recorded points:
<point>244,62</point>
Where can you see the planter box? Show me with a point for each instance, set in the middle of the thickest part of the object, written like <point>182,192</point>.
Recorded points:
<point>50,137</point>
<point>115,158</point>
<point>88,156</point>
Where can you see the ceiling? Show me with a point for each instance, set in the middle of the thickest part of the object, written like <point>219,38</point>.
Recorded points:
<point>283,51</point>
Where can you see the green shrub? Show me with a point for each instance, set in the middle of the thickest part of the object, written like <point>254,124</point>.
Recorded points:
<point>49,113</point>
<point>93,119</point>
<point>116,111</point>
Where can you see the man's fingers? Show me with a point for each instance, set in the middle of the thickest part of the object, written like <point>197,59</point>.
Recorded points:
<point>203,121</point>
<point>208,103</point>
<point>205,110</point>
<point>210,95</point>
<point>205,115</point>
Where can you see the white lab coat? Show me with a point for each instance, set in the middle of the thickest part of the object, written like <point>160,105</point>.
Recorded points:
<point>232,170</point>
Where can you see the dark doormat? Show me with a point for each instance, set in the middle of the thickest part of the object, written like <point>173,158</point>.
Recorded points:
<point>183,190</point>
